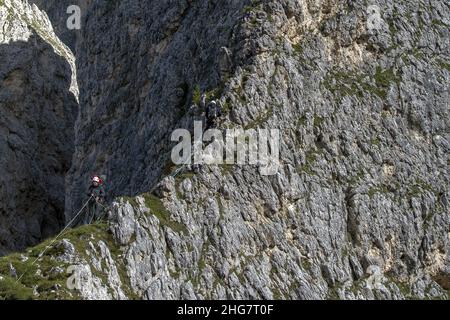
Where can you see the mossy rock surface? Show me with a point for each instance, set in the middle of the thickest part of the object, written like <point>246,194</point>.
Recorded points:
<point>39,271</point>
<point>158,209</point>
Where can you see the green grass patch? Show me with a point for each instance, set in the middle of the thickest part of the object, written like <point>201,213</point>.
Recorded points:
<point>310,158</point>
<point>418,188</point>
<point>306,264</point>
<point>352,83</point>
<point>378,189</point>
<point>50,284</point>
<point>298,49</point>
<point>157,209</point>
<point>196,95</point>
<point>11,290</point>
<point>318,121</point>
<point>41,273</point>
<point>260,120</point>
<point>443,64</point>
<point>384,78</point>
<point>302,121</point>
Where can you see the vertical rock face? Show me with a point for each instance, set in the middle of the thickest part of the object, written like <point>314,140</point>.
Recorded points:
<point>359,208</point>
<point>138,64</point>
<point>38,109</point>
<point>360,95</point>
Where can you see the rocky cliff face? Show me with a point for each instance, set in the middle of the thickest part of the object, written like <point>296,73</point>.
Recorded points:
<point>360,206</point>
<point>37,115</point>
<point>59,13</point>
<point>134,102</point>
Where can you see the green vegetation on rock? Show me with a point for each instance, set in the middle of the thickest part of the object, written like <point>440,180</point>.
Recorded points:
<point>157,209</point>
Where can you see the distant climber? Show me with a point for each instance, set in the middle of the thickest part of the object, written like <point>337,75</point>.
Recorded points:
<point>213,113</point>
<point>96,206</point>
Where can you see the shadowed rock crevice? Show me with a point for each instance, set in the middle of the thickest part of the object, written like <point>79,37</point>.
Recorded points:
<point>37,115</point>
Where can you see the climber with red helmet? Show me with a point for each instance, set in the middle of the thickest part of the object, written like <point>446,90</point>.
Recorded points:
<point>96,204</point>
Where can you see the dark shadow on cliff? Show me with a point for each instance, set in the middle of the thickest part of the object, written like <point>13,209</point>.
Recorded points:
<point>139,87</point>
<point>37,115</point>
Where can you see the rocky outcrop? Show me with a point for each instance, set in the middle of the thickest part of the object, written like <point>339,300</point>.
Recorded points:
<point>38,109</point>
<point>133,103</point>
<point>360,206</point>
<point>362,103</point>
<point>59,12</point>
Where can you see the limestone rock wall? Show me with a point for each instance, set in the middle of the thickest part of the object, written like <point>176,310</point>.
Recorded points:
<point>38,109</point>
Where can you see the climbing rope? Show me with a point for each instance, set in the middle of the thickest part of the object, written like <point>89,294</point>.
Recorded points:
<point>178,170</point>
<point>174,174</point>
<point>55,239</point>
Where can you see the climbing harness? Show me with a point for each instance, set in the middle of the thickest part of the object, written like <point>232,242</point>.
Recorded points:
<point>55,239</point>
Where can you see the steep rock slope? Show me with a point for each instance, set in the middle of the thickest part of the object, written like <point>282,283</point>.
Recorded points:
<point>38,110</point>
<point>364,116</point>
<point>360,206</point>
<point>136,80</point>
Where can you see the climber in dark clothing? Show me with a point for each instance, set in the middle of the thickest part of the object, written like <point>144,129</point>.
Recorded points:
<point>96,205</point>
<point>213,112</point>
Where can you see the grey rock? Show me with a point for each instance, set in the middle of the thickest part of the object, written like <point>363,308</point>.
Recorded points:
<point>359,207</point>
<point>38,111</point>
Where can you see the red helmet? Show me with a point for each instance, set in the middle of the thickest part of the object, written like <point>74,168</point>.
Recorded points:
<point>97,179</point>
